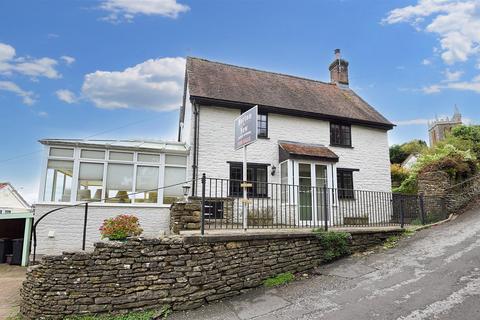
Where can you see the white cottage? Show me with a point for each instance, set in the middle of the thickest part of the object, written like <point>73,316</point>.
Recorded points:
<point>310,133</point>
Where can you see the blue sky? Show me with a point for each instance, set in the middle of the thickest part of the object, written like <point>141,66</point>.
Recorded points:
<point>114,68</point>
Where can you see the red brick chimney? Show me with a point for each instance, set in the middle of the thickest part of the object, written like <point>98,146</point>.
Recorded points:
<point>339,70</point>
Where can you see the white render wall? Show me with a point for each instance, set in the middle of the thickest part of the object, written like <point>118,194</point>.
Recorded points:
<point>216,139</point>
<point>67,225</point>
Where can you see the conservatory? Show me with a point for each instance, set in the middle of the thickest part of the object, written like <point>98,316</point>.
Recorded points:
<point>142,178</point>
<point>112,172</point>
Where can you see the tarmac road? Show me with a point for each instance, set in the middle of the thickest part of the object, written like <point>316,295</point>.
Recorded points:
<point>434,274</point>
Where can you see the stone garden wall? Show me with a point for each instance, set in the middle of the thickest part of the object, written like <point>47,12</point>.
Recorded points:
<point>455,195</point>
<point>182,272</point>
<point>461,194</point>
<point>185,216</point>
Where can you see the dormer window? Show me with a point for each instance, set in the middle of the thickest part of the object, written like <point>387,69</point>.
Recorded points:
<point>340,135</point>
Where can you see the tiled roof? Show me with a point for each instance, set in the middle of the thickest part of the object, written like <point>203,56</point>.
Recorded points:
<point>307,150</point>
<point>280,92</point>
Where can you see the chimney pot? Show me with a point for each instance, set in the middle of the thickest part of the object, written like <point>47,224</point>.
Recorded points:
<point>339,69</point>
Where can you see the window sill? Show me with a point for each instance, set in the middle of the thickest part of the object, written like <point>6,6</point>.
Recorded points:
<point>341,146</point>
<point>264,138</point>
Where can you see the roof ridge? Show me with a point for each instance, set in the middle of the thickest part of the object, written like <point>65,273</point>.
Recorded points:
<point>263,71</point>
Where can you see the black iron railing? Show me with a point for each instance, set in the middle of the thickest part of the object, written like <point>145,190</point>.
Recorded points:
<point>280,206</point>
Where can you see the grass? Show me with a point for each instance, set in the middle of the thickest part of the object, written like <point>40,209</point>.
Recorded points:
<point>391,242</point>
<point>279,279</point>
<point>147,315</point>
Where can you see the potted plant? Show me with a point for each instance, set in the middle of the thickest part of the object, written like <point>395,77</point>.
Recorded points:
<point>120,227</point>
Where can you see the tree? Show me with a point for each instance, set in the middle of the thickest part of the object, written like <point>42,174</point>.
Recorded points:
<point>414,147</point>
<point>397,155</point>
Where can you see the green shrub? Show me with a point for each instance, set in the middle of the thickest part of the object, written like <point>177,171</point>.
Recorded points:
<point>459,164</point>
<point>398,174</point>
<point>279,279</point>
<point>120,227</point>
<point>334,244</point>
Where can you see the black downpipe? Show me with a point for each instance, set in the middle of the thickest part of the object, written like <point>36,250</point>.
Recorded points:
<point>195,149</point>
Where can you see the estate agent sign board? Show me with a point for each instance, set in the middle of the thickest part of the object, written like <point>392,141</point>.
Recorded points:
<point>246,128</point>
<point>245,134</point>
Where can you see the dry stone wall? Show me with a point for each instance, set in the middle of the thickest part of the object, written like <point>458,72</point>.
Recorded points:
<point>456,196</point>
<point>182,272</point>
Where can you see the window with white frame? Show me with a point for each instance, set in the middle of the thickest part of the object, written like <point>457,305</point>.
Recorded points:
<point>113,176</point>
<point>175,174</point>
<point>58,180</point>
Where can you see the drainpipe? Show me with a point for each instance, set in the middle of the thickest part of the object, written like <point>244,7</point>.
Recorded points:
<point>196,114</point>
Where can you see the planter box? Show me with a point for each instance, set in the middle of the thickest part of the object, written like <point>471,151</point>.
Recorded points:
<point>355,221</point>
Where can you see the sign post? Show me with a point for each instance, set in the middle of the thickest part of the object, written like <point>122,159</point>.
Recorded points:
<point>245,134</point>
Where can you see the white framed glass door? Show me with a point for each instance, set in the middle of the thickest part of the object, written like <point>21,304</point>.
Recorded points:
<point>312,178</point>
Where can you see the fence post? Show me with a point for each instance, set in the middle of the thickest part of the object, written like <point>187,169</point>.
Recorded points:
<point>325,203</point>
<point>204,180</point>
<point>85,226</point>
<point>422,208</point>
<point>402,212</point>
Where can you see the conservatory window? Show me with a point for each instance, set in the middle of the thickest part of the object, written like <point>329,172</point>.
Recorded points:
<point>119,183</point>
<point>61,152</point>
<point>173,175</point>
<point>58,185</point>
<point>176,160</point>
<point>147,184</point>
<point>146,157</point>
<point>93,154</point>
<point>90,182</point>
<point>122,156</point>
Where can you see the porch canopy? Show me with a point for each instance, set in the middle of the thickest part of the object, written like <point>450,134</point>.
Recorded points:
<point>296,150</point>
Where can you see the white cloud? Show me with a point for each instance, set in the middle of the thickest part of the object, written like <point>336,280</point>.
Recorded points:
<point>7,52</point>
<point>66,96</point>
<point>412,122</point>
<point>456,22</point>
<point>473,85</point>
<point>127,9</point>
<point>43,114</point>
<point>68,60</point>
<point>42,67</point>
<point>423,121</point>
<point>452,75</point>
<point>27,96</point>
<point>434,88</point>
<point>154,84</point>
<point>426,62</point>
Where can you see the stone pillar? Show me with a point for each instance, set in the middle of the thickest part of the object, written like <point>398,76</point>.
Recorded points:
<point>185,216</point>
<point>433,183</point>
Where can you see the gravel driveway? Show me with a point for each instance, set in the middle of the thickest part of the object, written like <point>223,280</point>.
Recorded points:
<point>11,278</point>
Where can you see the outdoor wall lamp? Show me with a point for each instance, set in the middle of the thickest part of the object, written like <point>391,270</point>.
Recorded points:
<point>186,189</point>
<point>273,170</point>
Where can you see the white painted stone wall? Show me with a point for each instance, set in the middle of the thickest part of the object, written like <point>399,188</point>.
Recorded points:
<point>369,153</point>
<point>67,225</point>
